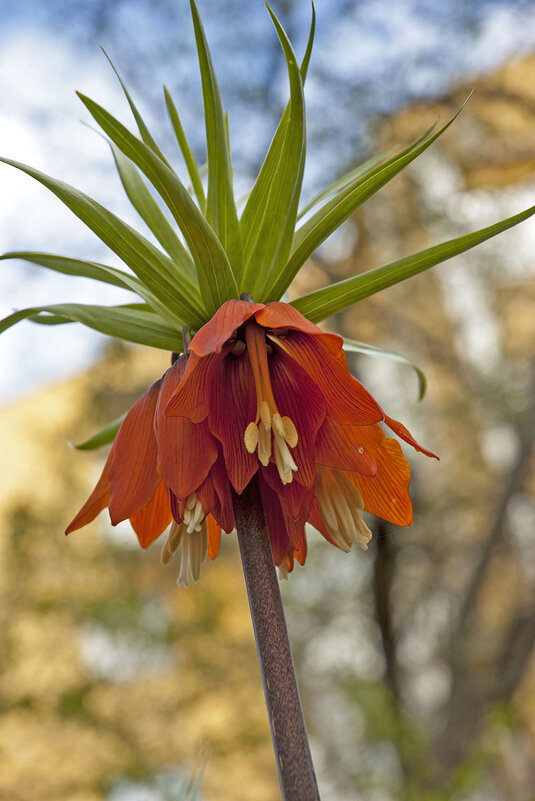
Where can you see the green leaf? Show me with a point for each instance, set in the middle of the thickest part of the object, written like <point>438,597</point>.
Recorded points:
<point>142,128</point>
<point>189,158</point>
<point>59,319</point>
<point>158,273</point>
<point>352,346</point>
<point>318,305</point>
<point>144,328</point>
<point>98,272</point>
<point>50,319</point>
<point>269,216</point>
<point>150,212</point>
<point>102,437</point>
<point>330,216</point>
<point>77,267</point>
<point>355,179</point>
<point>220,206</point>
<point>216,279</point>
<point>345,181</point>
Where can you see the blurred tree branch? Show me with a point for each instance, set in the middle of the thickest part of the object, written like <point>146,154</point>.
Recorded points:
<point>475,689</point>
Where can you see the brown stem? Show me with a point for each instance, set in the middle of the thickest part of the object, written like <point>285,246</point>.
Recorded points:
<point>290,741</point>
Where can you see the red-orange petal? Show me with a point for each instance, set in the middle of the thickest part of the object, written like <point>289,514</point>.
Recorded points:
<point>177,507</point>
<point>405,434</point>
<point>232,397</point>
<point>153,518</point>
<point>282,315</point>
<point>289,561</point>
<point>316,520</point>
<point>208,497</point>
<point>214,537</point>
<point>294,498</point>
<point>387,494</point>
<point>348,402</point>
<point>186,450</point>
<point>298,398</point>
<point>192,397</point>
<point>219,476</point>
<point>133,474</point>
<point>278,530</point>
<point>347,447</point>
<point>212,336</point>
<point>301,554</point>
<point>96,502</point>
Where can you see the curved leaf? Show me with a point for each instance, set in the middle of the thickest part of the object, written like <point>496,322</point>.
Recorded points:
<point>45,318</point>
<point>102,437</point>
<point>187,155</point>
<point>330,216</point>
<point>150,212</point>
<point>97,272</point>
<point>220,206</point>
<point>318,305</point>
<point>216,279</point>
<point>352,346</point>
<point>269,216</point>
<point>159,274</point>
<point>77,267</point>
<point>144,328</point>
<point>346,180</point>
<point>142,128</point>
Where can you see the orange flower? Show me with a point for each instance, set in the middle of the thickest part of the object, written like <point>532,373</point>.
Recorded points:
<point>262,391</point>
<point>150,458</point>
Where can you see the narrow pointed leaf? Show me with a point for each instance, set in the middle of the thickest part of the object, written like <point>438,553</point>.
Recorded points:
<point>140,122</point>
<point>187,155</point>
<point>50,319</point>
<point>318,305</point>
<point>330,216</point>
<point>345,181</point>
<point>352,346</point>
<point>348,187</point>
<point>100,272</point>
<point>160,275</point>
<point>77,267</point>
<point>102,437</point>
<point>269,216</point>
<point>220,206</point>
<point>216,279</point>
<point>150,212</point>
<point>45,318</point>
<point>144,328</point>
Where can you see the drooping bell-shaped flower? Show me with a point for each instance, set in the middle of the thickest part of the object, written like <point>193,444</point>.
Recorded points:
<point>261,391</point>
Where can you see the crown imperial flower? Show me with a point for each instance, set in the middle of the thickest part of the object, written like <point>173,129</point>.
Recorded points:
<point>261,390</point>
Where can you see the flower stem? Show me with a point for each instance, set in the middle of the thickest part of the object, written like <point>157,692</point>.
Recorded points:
<point>290,741</point>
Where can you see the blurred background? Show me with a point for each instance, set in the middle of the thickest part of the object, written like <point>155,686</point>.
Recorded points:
<point>415,660</point>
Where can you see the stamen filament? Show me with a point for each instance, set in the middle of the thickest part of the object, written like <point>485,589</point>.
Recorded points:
<point>257,436</point>
<point>189,539</point>
<point>340,504</point>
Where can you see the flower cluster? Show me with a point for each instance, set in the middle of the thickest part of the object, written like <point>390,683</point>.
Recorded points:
<point>262,392</point>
